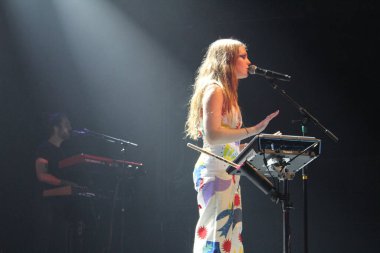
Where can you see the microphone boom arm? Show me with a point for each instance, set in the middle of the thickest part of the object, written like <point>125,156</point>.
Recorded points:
<point>107,137</point>
<point>304,112</point>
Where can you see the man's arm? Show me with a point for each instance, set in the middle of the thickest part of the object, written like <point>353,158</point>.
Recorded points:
<point>44,176</point>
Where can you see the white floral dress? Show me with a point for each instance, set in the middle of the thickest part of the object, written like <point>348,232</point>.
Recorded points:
<point>219,225</point>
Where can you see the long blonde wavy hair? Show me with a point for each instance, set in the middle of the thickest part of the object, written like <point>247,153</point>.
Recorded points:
<point>218,67</point>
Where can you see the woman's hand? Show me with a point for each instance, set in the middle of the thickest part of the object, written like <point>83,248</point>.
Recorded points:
<point>264,123</point>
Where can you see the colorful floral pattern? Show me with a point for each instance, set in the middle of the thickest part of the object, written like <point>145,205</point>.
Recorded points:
<point>219,225</point>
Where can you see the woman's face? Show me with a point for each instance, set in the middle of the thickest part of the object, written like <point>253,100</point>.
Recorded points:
<point>242,63</point>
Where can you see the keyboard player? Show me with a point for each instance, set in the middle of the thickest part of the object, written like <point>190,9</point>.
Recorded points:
<point>52,223</point>
<point>49,153</point>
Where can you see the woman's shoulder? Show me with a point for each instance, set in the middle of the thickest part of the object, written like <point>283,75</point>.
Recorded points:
<point>216,83</point>
<point>213,86</point>
<point>213,89</point>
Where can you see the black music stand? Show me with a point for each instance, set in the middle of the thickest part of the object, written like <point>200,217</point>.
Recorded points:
<point>278,157</point>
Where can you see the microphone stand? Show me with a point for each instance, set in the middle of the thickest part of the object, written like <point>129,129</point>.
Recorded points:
<point>304,191</point>
<point>303,111</point>
<point>307,117</point>
<point>106,137</point>
<point>118,187</point>
<point>124,195</point>
<point>119,193</point>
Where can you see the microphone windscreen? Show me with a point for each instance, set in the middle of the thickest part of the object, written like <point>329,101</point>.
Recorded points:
<point>252,69</point>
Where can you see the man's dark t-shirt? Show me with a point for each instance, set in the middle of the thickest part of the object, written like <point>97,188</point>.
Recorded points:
<point>53,213</point>
<point>53,155</point>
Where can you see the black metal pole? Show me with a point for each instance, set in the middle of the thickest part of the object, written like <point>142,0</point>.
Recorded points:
<point>124,195</point>
<point>285,218</point>
<point>112,215</point>
<point>305,216</point>
<point>305,202</point>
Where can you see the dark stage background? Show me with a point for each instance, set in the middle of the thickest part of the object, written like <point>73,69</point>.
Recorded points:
<point>125,68</point>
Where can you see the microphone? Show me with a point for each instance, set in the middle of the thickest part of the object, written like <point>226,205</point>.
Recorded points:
<point>75,132</point>
<point>269,74</point>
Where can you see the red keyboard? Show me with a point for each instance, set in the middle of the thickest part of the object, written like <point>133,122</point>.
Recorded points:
<point>85,159</point>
